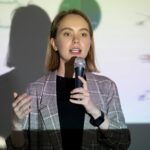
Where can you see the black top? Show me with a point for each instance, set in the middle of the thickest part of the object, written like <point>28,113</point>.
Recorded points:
<point>71,116</point>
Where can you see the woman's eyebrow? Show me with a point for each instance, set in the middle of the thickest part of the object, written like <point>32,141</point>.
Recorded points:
<point>65,28</point>
<point>68,28</point>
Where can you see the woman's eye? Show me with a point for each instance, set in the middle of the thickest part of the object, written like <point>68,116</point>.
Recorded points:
<point>84,34</point>
<point>67,34</point>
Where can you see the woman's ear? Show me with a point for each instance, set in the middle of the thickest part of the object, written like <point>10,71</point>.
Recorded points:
<point>53,43</point>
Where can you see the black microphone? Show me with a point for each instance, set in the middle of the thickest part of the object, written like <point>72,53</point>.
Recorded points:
<point>79,68</point>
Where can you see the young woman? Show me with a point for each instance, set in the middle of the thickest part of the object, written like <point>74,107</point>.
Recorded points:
<point>53,114</point>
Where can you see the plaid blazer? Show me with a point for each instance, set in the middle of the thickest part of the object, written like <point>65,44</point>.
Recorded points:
<point>42,126</point>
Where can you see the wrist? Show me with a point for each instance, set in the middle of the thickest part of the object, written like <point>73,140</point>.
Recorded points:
<point>17,125</point>
<point>97,121</point>
<point>95,114</point>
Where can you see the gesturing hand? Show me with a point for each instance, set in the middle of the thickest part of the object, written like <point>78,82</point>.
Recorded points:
<point>21,108</point>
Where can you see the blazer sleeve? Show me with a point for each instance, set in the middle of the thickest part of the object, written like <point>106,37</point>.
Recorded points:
<point>117,136</point>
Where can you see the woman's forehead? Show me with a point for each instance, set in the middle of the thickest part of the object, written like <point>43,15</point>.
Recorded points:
<point>73,20</point>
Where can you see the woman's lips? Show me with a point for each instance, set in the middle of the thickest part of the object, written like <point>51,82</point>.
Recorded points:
<point>75,51</point>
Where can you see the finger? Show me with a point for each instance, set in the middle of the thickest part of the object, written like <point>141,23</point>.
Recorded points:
<point>77,90</point>
<point>77,96</point>
<point>84,82</point>
<point>26,106</point>
<point>76,101</point>
<point>80,91</point>
<point>18,99</point>
<point>25,112</point>
<point>15,94</point>
<point>21,104</point>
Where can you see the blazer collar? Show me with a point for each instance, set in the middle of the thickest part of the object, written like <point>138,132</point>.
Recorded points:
<point>48,103</point>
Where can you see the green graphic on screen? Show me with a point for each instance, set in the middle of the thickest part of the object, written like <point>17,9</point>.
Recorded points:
<point>89,7</point>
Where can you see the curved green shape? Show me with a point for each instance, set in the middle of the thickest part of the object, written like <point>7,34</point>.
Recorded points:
<point>90,7</point>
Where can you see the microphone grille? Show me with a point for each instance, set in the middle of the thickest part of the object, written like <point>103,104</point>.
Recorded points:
<point>79,62</point>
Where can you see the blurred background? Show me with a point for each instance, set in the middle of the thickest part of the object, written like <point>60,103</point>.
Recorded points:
<point>122,43</point>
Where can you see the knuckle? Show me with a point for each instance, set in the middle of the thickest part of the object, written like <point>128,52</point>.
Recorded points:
<point>16,109</point>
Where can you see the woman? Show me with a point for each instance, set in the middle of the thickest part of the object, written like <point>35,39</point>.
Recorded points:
<point>53,114</point>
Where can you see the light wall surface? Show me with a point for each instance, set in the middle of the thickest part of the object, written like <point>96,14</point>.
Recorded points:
<point>122,43</point>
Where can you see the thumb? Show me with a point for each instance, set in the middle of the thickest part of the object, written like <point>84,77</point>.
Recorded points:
<point>15,94</point>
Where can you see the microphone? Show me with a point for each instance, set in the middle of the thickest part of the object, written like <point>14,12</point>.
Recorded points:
<point>79,68</point>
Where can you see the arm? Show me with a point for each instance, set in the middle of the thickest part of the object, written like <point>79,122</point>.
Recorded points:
<point>112,132</point>
<point>117,136</point>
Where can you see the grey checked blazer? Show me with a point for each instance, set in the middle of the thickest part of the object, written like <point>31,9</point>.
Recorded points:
<point>43,122</point>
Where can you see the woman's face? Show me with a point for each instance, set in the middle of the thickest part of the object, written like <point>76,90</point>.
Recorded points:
<point>72,38</point>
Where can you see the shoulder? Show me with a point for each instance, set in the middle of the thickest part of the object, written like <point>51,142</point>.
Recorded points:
<point>97,77</point>
<point>101,82</point>
<point>38,84</point>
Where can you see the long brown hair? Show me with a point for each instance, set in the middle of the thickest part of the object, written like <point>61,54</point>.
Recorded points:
<point>52,56</point>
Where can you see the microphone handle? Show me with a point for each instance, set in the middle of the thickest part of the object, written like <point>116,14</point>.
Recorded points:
<point>79,71</point>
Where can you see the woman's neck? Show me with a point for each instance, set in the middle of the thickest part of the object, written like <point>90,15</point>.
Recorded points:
<point>61,72</point>
<point>65,72</point>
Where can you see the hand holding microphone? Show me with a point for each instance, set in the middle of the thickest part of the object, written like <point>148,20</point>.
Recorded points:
<point>81,93</point>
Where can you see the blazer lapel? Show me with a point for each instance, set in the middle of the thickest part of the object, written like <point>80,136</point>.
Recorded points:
<point>49,109</point>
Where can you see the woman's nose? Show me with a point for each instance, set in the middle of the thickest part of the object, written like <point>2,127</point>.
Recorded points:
<point>75,39</point>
